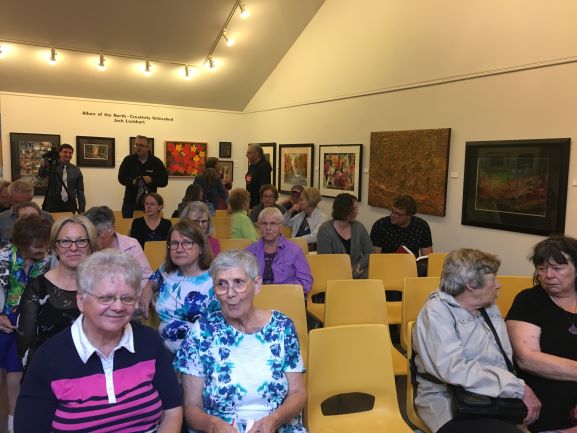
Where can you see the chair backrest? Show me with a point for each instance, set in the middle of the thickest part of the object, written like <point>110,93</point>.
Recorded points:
<point>351,302</point>
<point>173,221</point>
<point>137,213</point>
<point>234,244</point>
<point>287,231</point>
<point>415,293</point>
<point>302,243</point>
<point>59,215</point>
<point>392,269</point>
<point>123,225</point>
<point>289,300</point>
<point>435,264</point>
<point>510,286</point>
<point>326,267</point>
<point>155,252</point>
<point>222,227</point>
<point>221,213</point>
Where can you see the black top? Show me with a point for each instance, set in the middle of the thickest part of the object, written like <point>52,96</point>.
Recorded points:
<point>141,232</point>
<point>558,397</point>
<point>256,176</point>
<point>390,237</point>
<point>131,169</point>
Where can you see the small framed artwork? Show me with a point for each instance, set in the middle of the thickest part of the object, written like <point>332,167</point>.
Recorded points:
<point>225,149</point>
<point>227,170</point>
<point>185,158</point>
<point>150,144</point>
<point>26,152</point>
<point>95,151</point>
<point>516,185</point>
<point>296,166</point>
<point>269,151</point>
<point>340,169</point>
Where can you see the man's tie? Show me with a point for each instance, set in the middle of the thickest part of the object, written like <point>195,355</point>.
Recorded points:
<point>63,193</point>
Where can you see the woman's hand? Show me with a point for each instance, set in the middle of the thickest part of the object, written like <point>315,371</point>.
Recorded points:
<point>5,325</point>
<point>533,406</point>
<point>267,424</point>
<point>219,426</point>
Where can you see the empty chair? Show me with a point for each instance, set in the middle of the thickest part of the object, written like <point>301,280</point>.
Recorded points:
<point>234,244</point>
<point>416,291</point>
<point>510,286</point>
<point>155,252</point>
<point>353,359</point>
<point>123,225</point>
<point>221,213</point>
<point>435,264</point>
<point>222,227</point>
<point>59,215</point>
<point>302,243</point>
<point>325,267</point>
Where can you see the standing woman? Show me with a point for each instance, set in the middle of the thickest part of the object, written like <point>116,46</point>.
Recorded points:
<point>184,284</point>
<point>20,261</point>
<point>150,227</point>
<point>345,235</point>
<point>198,212</point>
<point>48,304</point>
<point>212,186</point>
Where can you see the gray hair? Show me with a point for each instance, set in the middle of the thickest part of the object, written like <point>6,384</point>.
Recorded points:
<point>467,267</point>
<point>101,216</point>
<point>108,262</point>
<point>258,149</point>
<point>21,186</point>
<point>270,211</point>
<point>235,259</point>
<point>197,207</point>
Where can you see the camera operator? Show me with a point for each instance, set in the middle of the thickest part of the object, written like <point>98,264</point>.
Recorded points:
<point>57,165</point>
<point>140,173</point>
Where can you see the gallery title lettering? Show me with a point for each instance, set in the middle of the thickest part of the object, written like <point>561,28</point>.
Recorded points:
<point>126,118</point>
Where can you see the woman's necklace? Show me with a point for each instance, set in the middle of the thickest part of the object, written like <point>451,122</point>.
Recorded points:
<point>572,329</point>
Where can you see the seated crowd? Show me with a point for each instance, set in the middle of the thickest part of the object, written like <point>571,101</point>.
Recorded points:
<point>77,357</point>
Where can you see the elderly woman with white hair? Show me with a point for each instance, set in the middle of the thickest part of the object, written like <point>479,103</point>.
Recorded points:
<point>280,261</point>
<point>241,367</point>
<point>103,373</point>
<point>306,223</point>
<point>460,340</point>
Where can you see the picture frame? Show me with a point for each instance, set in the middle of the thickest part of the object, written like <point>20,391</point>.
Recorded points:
<point>340,169</point>
<point>185,158</point>
<point>516,185</point>
<point>227,169</point>
<point>95,151</point>
<point>26,150</point>
<point>296,164</point>
<point>224,149</point>
<point>269,151</point>
<point>132,140</point>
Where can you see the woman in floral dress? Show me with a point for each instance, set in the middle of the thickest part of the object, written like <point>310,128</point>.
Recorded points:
<point>241,367</point>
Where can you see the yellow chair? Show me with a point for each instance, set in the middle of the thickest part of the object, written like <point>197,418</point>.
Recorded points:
<point>221,213</point>
<point>123,225</point>
<point>416,291</point>
<point>325,267</point>
<point>410,402</point>
<point>287,231</point>
<point>302,243</point>
<point>358,302</point>
<point>510,286</point>
<point>222,227</point>
<point>155,252</point>
<point>289,300</point>
<point>353,359</point>
<point>435,264</point>
<point>59,215</point>
<point>234,244</point>
<point>173,221</point>
<point>138,214</point>
<point>393,269</point>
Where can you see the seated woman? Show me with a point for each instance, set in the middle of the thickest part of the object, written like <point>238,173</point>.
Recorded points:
<point>241,226</point>
<point>280,261</point>
<point>268,198</point>
<point>193,193</point>
<point>454,344</point>
<point>102,373</point>
<point>151,226</point>
<point>241,365</point>
<point>27,208</point>
<point>199,213</point>
<point>307,221</point>
<point>48,304</point>
<point>345,235</point>
<point>185,285</point>
<point>541,324</point>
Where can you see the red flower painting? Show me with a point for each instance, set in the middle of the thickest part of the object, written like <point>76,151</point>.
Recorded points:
<point>184,158</point>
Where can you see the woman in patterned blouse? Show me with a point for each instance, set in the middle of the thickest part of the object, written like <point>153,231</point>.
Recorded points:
<point>241,367</point>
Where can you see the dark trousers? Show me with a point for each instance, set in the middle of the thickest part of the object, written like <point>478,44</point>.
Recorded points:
<point>55,204</point>
<point>129,208</point>
<point>480,425</point>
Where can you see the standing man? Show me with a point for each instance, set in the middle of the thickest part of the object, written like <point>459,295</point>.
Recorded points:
<point>402,227</point>
<point>258,174</point>
<point>57,198</point>
<point>140,173</point>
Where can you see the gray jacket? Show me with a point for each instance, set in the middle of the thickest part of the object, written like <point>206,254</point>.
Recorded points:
<point>315,220</point>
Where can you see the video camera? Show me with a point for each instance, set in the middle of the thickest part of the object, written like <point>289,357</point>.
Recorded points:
<point>52,157</point>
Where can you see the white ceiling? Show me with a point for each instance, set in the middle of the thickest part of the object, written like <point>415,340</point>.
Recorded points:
<point>171,33</point>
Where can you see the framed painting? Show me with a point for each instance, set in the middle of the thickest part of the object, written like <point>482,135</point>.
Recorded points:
<point>95,151</point>
<point>227,170</point>
<point>516,185</point>
<point>150,144</point>
<point>224,149</point>
<point>340,169</point>
<point>414,162</point>
<point>296,166</point>
<point>26,152</point>
<point>269,151</point>
<point>185,158</point>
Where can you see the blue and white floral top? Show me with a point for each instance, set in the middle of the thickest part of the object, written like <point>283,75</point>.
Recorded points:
<point>244,374</point>
<point>181,301</point>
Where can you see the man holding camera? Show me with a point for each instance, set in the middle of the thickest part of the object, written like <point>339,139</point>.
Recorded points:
<point>57,165</point>
<point>140,173</point>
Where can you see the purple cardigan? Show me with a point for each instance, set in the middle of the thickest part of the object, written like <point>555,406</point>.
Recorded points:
<point>289,266</point>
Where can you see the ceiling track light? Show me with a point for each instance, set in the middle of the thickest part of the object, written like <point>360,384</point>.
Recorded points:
<point>187,72</point>
<point>244,12</point>
<point>229,40</point>
<point>210,62</point>
<point>147,68</point>
<point>52,60</point>
<point>1,52</point>
<point>101,64</point>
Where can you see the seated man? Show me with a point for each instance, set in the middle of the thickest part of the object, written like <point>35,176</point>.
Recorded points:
<point>402,227</point>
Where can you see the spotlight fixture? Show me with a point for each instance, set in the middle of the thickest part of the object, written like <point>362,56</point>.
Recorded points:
<point>101,65</point>
<point>52,59</point>
<point>229,40</point>
<point>244,13</point>
<point>189,72</point>
<point>1,52</point>
<point>210,63</point>
<point>147,68</point>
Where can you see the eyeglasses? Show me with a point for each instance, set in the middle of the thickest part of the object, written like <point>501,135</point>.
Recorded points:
<point>109,299</point>
<point>397,213</point>
<point>186,244</point>
<point>268,224</point>
<point>67,243</point>
<point>238,284</point>
<point>201,222</point>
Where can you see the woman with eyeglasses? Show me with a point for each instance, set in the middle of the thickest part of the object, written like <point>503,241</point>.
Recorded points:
<point>151,226</point>
<point>103,373</point>
<point>184,286</point>
<point>48,304</point>
<point>241,367</point>
<point>199,213</point>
